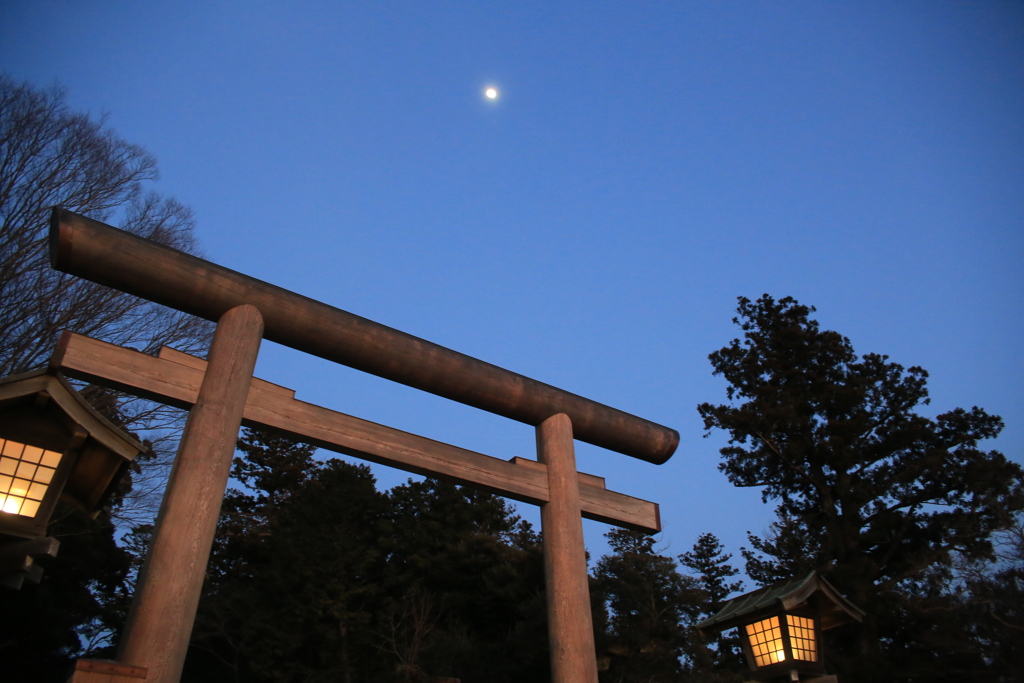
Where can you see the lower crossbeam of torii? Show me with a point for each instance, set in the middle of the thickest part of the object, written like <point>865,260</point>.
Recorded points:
<point>222,394</point>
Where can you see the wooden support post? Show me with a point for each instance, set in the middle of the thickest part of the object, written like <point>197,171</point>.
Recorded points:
<point>164,607</point>
<point>570,624</point>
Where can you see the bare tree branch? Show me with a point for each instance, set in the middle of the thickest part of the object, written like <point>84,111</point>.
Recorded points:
<point>51,156</point>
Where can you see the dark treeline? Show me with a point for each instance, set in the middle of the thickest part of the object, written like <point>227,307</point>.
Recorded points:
<point>317,575</point>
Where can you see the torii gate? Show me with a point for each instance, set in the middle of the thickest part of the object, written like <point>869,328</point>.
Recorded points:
<point>223,394</point>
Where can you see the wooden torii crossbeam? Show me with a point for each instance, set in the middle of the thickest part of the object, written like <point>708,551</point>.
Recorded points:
<point>223,394</point>
<point>174,378</point>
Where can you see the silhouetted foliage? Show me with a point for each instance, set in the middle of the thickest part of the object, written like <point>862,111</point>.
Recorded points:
<point>73,610</point>
<point>318,576</point>
<point>716,656</point>
<point>50,156</point>
<point>481,568</point>
<point>870,492</point>
<point>647,612</point>
<point>651,605</point>
<point>990,598</point>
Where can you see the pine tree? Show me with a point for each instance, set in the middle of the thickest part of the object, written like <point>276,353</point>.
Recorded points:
<point>650,607</point>
<point>868,490</point>
<point>465,586</point>
<point>293,575</point>
<point>316,575</point>
<point>718,654</point>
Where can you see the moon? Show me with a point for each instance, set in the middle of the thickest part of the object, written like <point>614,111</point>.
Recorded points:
<point>491,93</point>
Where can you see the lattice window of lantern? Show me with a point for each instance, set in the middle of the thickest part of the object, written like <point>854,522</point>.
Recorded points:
<point>801,638</point>
<point>766,641</point>
<point>25,474</point>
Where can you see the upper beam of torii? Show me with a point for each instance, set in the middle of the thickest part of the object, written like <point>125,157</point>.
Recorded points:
<point>95,251</point>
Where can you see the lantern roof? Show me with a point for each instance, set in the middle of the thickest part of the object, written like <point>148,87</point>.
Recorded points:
<point>41,407</point>
<point>811,592</point>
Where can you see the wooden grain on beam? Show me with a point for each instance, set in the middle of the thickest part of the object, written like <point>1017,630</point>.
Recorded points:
<point>175,378</point>
<point>591,479</point>
<point>182,358</point>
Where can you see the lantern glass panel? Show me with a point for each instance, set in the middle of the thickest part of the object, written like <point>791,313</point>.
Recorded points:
<point>766,641</point>
<point>801,638</point>
<point>25,475</point>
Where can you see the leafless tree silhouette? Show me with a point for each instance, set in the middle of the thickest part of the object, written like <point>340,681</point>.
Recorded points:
<point>51,156</point>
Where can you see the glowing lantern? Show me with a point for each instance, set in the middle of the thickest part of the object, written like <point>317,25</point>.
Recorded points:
<point>26,473</point>
<point>53,445</point>
<point>780,627</point>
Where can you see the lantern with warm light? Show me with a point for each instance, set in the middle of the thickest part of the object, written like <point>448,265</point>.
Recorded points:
<point>53,446</point>
<point>780,627</point>
<point>26,474</point>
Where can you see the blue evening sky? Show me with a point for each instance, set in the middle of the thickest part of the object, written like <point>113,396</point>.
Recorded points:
<point>645,164</point>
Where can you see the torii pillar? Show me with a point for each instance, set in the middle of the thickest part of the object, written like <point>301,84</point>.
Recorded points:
<point>570,622</point>
<point>160,621</point>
